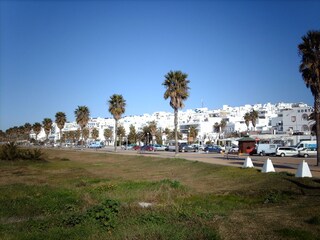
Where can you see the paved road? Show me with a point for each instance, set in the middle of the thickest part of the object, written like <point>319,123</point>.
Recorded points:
<point>285,164</point>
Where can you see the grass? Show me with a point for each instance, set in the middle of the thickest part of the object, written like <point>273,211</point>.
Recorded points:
<point>82,195</point>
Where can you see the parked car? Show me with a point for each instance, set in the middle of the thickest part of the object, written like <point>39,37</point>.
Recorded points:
<point>95,145</point>
<point>213,148</point>
<point>149,148</point>
<point>308,152</point>
<point>159,147</point>
<point>136,147</point>
<point>185,147</point>
<point>286,151</point>
<point>128,147</point>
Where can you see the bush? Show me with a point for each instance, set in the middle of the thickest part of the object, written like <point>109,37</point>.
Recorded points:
<point>11,152</point>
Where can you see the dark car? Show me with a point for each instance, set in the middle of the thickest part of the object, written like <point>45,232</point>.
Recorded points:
<point>184,147</point>
<point>149,148</point>
<point>213,148</point>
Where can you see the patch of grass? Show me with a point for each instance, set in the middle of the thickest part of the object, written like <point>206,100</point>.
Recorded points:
<point>293,233</point>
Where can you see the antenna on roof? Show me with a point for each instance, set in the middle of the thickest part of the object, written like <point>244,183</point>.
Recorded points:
<point>201,102</point>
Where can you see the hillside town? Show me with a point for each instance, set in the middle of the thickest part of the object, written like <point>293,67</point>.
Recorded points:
<point>284,123</point>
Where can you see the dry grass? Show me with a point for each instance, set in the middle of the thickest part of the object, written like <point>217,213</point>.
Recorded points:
<point>237,203</point>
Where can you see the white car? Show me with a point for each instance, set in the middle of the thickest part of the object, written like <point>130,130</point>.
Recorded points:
<point>286,151</point>
<point>308,152</point>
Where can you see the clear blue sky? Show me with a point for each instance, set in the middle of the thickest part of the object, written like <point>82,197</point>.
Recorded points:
<point>57,55</point>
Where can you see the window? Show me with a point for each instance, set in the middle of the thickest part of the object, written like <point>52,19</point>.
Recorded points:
<point>305,117</point>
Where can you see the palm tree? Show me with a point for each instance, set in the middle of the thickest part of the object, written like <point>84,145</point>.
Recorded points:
<point>61,119</point>
<point>85,134</point>
<point>27,129</point>
<point>95,134</point>
<point>107,134</point>
<point>247,119</point>
<point>117,106</point>
<point>177,90</point>
<point>82,115</point>
<point>309,50</point>
<point>121,132</point>
<point>47,125</point>
<point>254,116</point>
<point>193,133</point>
<point>36,129</point>
<point>132,136</point>
<point>153,130</point>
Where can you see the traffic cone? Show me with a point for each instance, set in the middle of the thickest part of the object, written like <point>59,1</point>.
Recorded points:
<point>248,163</point>
<point>303,170</point>
<point>267,166</point>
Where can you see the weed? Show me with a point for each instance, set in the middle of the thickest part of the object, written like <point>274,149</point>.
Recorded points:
<point>314,220</point>
<point>105,213</point>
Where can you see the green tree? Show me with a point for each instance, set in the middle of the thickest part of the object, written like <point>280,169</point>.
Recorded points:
<point>27,130</point>
<point>193,133</point>
<point>153,130</point>
<point>177,90</point>
<point>61,119</point>
<point>247,119</point>
<point>47,125</point>
<point>253,117</point>
<point>108,134</point>
<point>132,136</point>
<point>82,115</point>
<point>117,106</point>
<point>36,129</point>
<point>309,50</point>
<point>121,132</point>
<point>95,133</point>
<point>85,134</point>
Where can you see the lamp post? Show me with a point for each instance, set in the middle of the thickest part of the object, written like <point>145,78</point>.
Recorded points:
<point>147,142</point>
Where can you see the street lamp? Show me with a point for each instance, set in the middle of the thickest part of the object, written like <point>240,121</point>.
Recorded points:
<point>147,138</point>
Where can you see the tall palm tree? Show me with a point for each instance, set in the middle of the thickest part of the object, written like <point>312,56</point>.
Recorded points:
<point>61,119</point>
<point>309,50</point>
<point>117,107</point>
<point>36,129</point>
<point>177,90</point>
<point>82,115</point>
<point>47,125</point>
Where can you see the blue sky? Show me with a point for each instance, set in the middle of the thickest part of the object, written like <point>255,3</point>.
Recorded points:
<point>57,55</point>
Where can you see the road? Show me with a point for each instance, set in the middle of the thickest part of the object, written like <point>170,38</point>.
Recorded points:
<point>281,164</point>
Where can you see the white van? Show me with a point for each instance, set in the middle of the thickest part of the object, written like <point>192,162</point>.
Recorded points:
<point>265,149</point>
<point>312,144</point>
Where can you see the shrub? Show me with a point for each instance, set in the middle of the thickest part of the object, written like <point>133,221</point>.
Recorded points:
<point>11,152</point>
<point>105,213</point>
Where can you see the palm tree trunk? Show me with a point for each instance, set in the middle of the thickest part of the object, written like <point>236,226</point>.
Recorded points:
<point>115,135</point>
<point>317,118</point>
<point>176,131</point>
